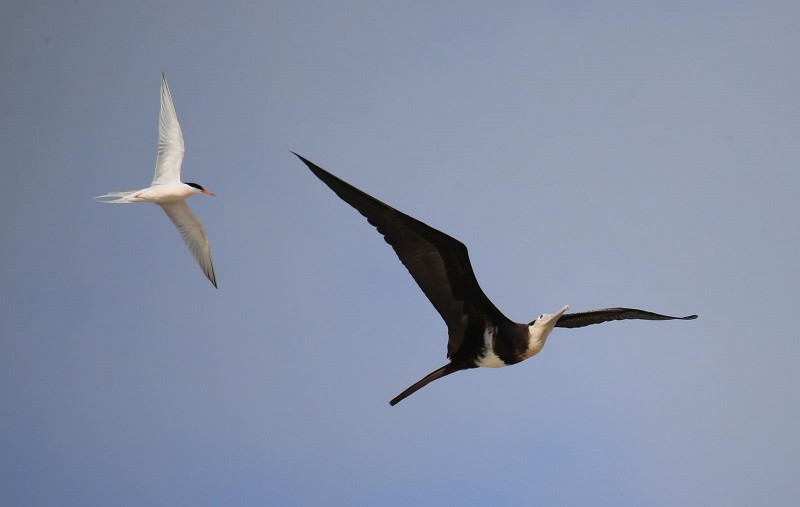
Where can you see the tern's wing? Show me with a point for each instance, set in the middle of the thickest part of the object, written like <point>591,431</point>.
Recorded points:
<point>170,140</point>
<point>193,234</point>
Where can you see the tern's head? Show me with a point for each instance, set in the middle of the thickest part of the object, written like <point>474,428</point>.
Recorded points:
<point>198,189</point>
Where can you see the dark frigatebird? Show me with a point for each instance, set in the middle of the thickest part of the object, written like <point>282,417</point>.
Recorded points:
<point>478,333</point>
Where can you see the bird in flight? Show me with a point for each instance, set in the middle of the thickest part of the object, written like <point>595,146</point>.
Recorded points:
<point>167,190</point>
<point>479,335</point>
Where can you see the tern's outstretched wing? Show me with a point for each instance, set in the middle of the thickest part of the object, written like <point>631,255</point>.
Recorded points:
<point>193,234</point>
<point>170,140</point>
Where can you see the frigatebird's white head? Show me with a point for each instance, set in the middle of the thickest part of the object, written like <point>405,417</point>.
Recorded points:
<point>540,328</point>
<point>549,319</point>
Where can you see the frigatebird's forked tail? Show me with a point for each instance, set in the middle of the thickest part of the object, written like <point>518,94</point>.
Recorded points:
<point>434,375</point>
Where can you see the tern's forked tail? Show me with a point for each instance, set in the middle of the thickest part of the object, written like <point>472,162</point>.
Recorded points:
<point>117,197</point>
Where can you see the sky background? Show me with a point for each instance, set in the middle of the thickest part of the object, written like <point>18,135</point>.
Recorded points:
<point>593,154</point>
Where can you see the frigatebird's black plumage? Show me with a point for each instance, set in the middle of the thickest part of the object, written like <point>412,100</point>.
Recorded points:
<point>479,334</point>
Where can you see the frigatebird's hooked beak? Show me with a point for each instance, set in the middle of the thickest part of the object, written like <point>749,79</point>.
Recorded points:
<point>552,319</point>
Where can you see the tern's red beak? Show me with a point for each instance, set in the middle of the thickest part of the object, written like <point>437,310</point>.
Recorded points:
<point>206,192</point>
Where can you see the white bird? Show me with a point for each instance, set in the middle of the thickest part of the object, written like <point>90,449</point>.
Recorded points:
<point>167,190</point>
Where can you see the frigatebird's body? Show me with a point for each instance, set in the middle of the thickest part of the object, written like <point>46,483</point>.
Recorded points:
<point>479,334</point>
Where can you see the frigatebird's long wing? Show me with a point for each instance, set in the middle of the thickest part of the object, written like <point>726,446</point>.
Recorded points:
<point>438,263</point>
<point>582,319</point>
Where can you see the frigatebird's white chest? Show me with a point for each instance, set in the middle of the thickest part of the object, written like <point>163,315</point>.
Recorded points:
<point>489,358</point>
<point>537,335</point>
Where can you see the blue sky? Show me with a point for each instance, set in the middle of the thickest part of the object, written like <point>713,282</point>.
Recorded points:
<point>636,154</point>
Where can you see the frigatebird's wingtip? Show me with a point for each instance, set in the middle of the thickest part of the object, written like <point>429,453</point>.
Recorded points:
<point>304,159</point>
<point>689,317</point>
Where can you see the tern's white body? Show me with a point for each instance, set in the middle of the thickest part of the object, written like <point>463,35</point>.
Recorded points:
<point>167,190</point>
<point>159,194</point>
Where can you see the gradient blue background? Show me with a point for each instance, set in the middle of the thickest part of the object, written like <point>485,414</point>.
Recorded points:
<point>589,153</point>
